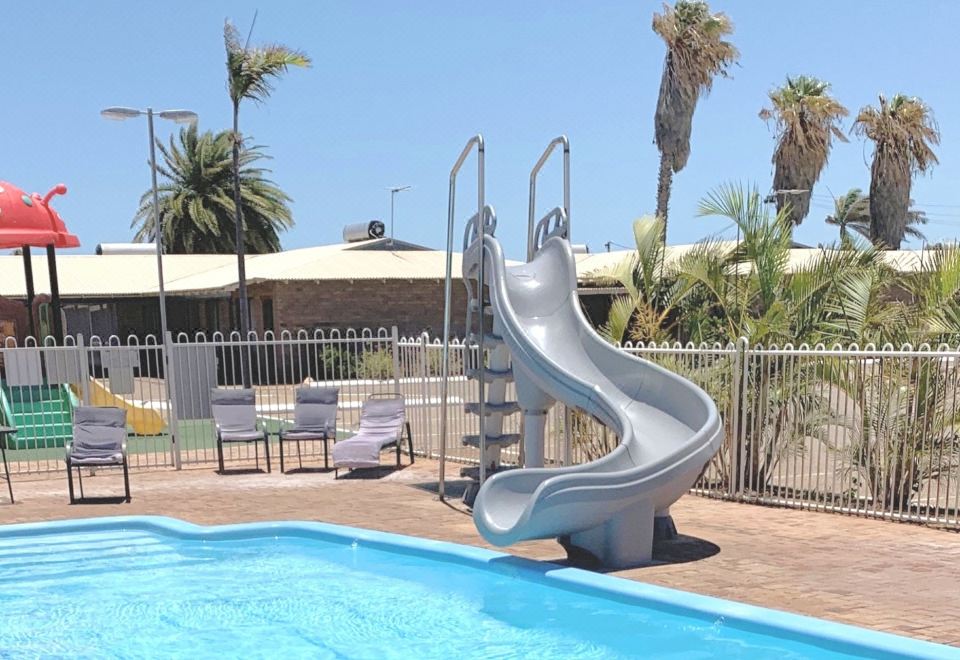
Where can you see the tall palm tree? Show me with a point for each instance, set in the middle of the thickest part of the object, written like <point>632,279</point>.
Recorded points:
<point>851,212</point>
<point>806,119</point>
<point>250,75</point>
<point>197,210</point>
<point>696,52</point>
<point>904,133</point>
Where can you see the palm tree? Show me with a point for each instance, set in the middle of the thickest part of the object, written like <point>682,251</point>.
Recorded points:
<point>197,210</point>
<point>904,133</point>
<point>647,311</point>
<point>696,52</point>
<point>250,74</point>
<point>806,119</point>
<point>851,212</point>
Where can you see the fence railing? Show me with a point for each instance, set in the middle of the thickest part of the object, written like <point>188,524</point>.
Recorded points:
<point>872,431</point>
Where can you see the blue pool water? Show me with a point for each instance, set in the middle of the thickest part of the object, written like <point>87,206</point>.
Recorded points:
<point>161,588</point>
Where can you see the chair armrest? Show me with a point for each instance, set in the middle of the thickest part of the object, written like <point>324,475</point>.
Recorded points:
<point>123,449</point>
<point>67,449</point>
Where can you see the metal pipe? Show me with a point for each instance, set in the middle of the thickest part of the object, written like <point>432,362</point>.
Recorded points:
<point>28,275</point>
<point>532,213</point>
<point>481,382</point>
<point>476,140</point>
<point>55,318</point>
<point>532,209</point>
<point>157,229</point>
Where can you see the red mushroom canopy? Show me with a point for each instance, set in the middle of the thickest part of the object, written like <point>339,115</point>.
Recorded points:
<point>29,219</point>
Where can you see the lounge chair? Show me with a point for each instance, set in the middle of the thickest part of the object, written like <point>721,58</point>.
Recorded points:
<point>235,414</point>
<point>314,418</point>
<point>382,425</point>
<point>99,440</point>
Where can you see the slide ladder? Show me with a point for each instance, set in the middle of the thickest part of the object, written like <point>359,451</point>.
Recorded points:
<point>496,372</point>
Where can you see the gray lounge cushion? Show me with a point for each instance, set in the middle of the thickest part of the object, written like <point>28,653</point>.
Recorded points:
<point>241,436</point>
<point>235,413</point>
<point>381,421</point>
<point>314,414</point>
<point>99,434</point>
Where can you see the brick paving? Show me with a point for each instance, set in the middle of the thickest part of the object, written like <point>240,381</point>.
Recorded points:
<point>898,578</point>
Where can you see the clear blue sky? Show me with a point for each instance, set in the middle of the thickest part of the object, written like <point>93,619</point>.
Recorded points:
<point>397,88</point>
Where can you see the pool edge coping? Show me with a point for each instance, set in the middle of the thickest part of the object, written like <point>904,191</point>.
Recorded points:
<point>757,618</point>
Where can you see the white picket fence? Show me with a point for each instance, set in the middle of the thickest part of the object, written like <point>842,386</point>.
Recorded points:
<point>870,430</point>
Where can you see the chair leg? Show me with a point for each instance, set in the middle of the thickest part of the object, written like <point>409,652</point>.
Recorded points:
<point>126,480</point>
<point>80,478</point>
<point>280,440</point>
<point>398,454</point>
<point>73,500</point>
<point>266,450</point>
<point>410,442</point>
<point>220,454</point>
<point>256,455</point>
<point>326,458</point>
<point>6,469</point>
<point>299,456</point>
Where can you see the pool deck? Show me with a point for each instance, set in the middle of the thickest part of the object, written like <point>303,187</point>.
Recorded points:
<point>893,577</point>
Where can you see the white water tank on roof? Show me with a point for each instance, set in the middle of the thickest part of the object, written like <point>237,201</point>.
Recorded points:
<point>126,248</point>
<point>363,231</point>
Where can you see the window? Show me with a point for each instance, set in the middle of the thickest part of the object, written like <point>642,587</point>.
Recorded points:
<point>268,315</point>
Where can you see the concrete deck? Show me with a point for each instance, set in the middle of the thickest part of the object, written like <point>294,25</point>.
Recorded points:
<point>894,577</point>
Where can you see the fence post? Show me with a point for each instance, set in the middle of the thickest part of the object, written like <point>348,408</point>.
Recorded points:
<point>735,446</point>
<point>395,352</point>
<point>84,363</point>
<point>169,377</point>
<point>425,404</point>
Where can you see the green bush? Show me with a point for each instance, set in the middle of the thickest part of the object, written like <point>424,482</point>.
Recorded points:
<point>338,362</point>
<point>377,365</point>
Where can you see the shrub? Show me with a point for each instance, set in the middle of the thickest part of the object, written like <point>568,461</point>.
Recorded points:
<point>377,365</point>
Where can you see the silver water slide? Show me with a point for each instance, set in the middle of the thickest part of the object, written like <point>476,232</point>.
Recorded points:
<point>669,429</point>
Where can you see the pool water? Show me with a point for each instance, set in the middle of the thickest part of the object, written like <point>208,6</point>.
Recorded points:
<point>142,591</point>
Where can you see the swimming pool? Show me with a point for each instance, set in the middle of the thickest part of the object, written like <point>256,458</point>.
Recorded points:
<point>158,587</point>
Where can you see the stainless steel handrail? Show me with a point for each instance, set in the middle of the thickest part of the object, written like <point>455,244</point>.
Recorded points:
<point>532,211</point>
<point>475,141</point>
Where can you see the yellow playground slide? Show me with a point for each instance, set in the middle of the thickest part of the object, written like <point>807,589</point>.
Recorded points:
<point>141,420</point>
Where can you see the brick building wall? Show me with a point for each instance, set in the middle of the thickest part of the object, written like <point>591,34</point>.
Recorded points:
<point>414,306</point>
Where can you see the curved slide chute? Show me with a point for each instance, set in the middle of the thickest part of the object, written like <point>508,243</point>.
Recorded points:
<point>669,428</point>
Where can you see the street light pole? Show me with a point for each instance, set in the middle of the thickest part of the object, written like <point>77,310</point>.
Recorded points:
<point>157,228</point>
<point>180,117</point>
<point>393,193</point>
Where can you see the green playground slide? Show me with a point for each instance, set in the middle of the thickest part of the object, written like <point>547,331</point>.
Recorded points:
<point>42,415</point>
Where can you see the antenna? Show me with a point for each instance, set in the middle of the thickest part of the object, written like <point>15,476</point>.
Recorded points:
<point>250,33</point>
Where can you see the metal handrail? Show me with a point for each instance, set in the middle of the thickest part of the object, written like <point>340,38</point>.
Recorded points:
<point>475,141</point>
<point>532,210</point>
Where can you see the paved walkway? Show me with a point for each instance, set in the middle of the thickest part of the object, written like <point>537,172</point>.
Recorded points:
<point>894,577</point>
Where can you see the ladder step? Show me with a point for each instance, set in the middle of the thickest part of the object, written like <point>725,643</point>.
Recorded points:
<point>475,306</point>
<point>505,408</point>
<point>490,375</point>
<point>489,339</point>
<point>503,440</point>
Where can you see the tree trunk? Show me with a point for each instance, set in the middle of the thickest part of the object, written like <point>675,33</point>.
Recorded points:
<point>240,239</point>
<point>890,181</point>
<point>664,182</point>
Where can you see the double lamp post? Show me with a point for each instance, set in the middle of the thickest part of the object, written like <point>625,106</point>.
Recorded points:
<point>179,117</point>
